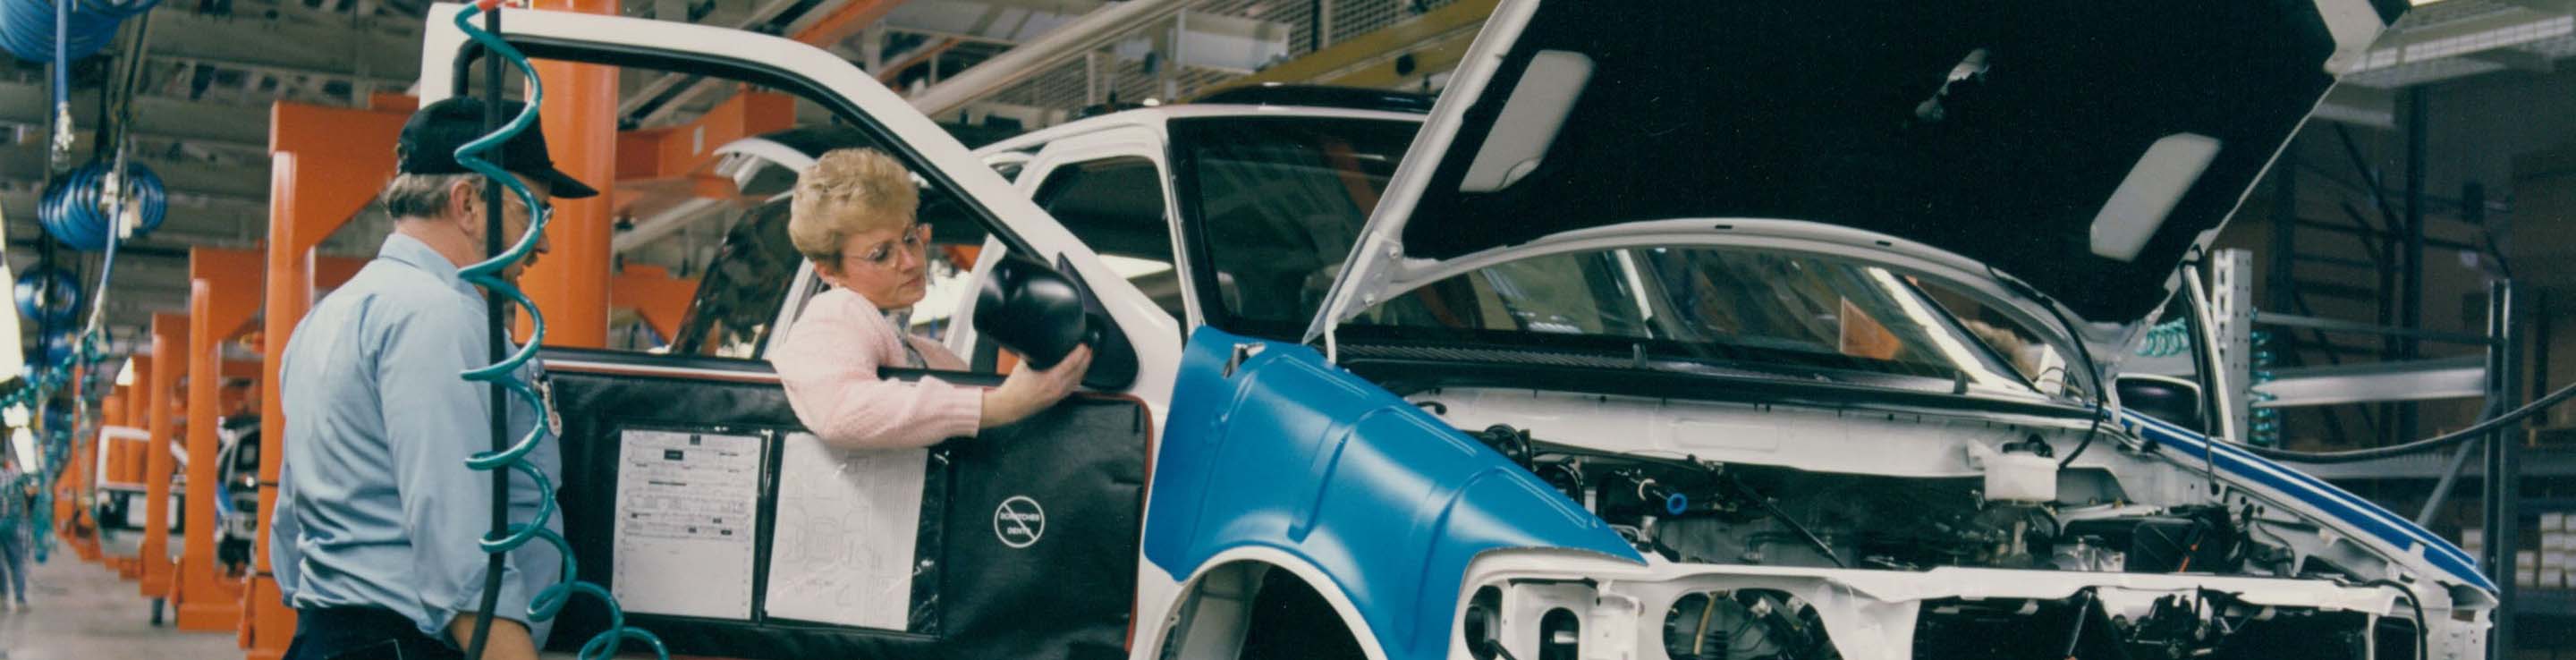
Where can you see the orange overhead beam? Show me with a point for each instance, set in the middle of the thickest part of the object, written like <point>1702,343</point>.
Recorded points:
<point>845,21</point>
<point>169,339</point>
<point>392,102</point>
<point>325,165</point>
<point>705,186</point>
<point>653,293</point>
<point>350,150</point>
<point>663,153</point>
<point>223,297</point>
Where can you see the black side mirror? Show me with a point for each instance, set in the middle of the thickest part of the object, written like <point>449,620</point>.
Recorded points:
<point>2163,397</point>
<point>1041,314</point>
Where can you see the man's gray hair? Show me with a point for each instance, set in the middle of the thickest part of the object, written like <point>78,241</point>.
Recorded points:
<point>420,195</point>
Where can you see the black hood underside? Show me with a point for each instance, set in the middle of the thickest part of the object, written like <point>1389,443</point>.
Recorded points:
<point>1995,130</point>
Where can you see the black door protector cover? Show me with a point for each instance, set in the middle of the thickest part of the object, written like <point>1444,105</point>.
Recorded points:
<point>1027,547</point>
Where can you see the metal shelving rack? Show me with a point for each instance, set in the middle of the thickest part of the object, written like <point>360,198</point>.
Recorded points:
<point>2493,376</point>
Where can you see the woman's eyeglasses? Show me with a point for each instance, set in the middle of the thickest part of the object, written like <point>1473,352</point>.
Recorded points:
<point>912,241</point>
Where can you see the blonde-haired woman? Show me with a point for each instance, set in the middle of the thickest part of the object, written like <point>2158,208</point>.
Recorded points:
<point>853,217</point>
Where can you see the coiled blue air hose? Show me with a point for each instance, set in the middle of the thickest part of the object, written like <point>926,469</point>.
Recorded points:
<point>39,31</point>
<point>488,274</point>
<point>80,208</point>
<point>48,295</point>
<point>62,31</point>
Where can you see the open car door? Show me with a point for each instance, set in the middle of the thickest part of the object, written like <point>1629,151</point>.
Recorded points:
<point>692,492</point>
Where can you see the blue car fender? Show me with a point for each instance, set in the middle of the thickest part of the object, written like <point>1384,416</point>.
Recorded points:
<point>1285,451</point>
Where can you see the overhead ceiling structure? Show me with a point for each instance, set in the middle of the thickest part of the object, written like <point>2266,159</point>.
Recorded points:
<point>212,68</point>
<point>2451,39</point>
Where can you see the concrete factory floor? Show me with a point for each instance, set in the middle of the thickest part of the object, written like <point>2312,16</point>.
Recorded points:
<point>82,612</point>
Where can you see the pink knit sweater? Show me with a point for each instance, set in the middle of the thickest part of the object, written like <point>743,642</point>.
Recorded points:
<point>829,364</point>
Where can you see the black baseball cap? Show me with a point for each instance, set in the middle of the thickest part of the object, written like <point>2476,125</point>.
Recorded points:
<point>429,141</point>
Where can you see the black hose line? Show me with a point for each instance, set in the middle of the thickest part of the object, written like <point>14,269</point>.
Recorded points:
<point>2427,444</point>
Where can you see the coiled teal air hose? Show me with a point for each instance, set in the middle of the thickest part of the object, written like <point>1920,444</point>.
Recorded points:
<point>2166,339</point>
<point>2173,337</point>
<point>488,274</point>
<point>2267,420</point>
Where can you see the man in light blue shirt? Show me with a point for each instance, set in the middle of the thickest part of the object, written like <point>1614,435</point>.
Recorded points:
<point>374,536</point>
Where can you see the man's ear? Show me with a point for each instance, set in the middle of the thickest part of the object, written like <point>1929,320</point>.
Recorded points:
<point>465,203</point>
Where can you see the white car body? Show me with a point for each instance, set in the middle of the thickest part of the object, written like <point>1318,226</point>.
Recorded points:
<point>1192,611</point>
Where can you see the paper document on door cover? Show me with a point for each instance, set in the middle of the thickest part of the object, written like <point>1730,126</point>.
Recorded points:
<point>686,510</point>
<point>843,551</point>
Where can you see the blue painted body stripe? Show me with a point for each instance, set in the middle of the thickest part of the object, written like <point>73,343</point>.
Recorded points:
<point>2372,518</point>
<point>2383,517</point>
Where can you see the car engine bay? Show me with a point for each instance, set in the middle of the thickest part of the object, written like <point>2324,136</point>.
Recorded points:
<point>1685,510</point>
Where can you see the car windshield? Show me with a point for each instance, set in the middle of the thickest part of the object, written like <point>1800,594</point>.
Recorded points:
<point>1731,311</point>
<point>1273,203</point>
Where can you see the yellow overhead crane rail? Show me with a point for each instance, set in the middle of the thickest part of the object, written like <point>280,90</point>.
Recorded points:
<point>1400,55</point>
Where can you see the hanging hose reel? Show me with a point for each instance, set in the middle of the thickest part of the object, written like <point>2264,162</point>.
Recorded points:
<point>48,296</point>
<point>78,209</point>
<point>28,27</point>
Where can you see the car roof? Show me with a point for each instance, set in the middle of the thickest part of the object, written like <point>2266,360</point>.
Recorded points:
<point>1156,117</point>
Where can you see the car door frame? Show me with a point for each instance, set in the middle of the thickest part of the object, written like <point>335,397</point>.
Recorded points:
<point>1145,142</point>
<point>1014,220</point>
<point>822,78</point>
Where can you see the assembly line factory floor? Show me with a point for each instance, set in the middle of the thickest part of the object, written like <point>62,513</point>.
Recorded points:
<point>81,611</point>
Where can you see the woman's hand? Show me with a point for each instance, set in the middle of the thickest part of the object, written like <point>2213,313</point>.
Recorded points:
<point>1027,391</point>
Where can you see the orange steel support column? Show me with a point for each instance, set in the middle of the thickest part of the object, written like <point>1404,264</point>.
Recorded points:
<point>128,467</point>
<point>570,285</point>
<point>324,167</point>
<point>221,300</point>
<point>169,339</point>
<point>654,294</point>
<point>69,480</point>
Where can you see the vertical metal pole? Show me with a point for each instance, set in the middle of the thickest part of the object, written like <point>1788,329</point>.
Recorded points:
<point>2231,311</point>
<point>494,352</point>
<point>1322,24</point>
<point>2285,229</point>
<point>2411,288</point>
<point>1091,78</point>
<point>2501,490</point>
<point>1319,24</point>
<point>873,44</point>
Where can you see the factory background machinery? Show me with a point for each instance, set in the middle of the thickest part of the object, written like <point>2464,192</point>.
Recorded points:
<point>2401,268</point>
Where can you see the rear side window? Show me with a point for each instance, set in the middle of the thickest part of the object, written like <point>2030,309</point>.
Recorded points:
<point>739,295</point>
<point>1115,205</point>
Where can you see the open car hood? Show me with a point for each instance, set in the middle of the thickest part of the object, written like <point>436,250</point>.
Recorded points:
<point>2082,149</point>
